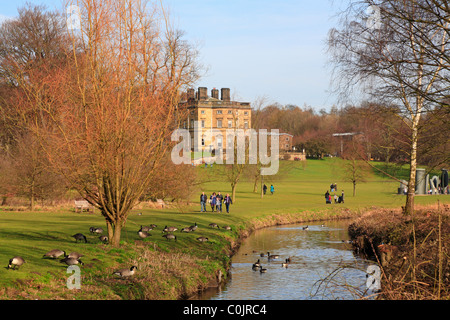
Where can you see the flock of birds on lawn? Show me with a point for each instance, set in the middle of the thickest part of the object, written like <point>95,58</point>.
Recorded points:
<point>73,258</point>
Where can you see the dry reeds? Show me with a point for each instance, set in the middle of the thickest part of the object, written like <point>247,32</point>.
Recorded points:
<point>412,251</point>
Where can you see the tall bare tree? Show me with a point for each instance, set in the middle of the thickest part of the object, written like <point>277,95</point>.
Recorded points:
<point>34,38</point>
<point>394,51</point>
<point>109,107</point>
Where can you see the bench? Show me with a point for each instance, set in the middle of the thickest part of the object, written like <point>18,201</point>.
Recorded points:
<point>83,205</point>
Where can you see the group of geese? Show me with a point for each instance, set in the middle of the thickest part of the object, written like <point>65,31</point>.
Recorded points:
<point>93,230</point>
<point>73,258</point>
<point>258,266</point>
<point>70,259</point>
<point>169,230</point>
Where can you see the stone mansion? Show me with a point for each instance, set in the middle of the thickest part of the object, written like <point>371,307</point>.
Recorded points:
<point>216,113</point>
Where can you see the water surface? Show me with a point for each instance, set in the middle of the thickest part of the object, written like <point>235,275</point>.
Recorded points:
<point>323,265</point>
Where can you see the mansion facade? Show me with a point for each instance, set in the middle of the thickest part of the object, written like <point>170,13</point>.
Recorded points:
<point>210,116</point>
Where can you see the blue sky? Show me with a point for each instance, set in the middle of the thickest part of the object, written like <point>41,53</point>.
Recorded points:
<point>258,48</point>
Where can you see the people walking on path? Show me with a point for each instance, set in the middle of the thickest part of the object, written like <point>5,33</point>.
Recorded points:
<point>227,200</point>
<point>265,189</point>
<point>272,189</point>
<point>203,199</point>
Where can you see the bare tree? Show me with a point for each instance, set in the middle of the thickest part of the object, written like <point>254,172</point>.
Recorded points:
<point>354,169</point>
<point>109,107</point>
<point>384,52</point>
<point>36,37</point>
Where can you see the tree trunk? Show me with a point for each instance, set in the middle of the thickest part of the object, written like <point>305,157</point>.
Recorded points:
<point>262,187</point>
<point>114,230</point>
<point>233,192</point>
<point>354,188</point>
<point>255,185</point>
<point>409,206</point>
<point>109,230</point>
<point>116,237</point>
<point>32,196</point>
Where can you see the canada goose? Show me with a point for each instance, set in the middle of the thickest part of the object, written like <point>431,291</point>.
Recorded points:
<point>125,272</point>
<point>16,262</point>
<point>285,264</point>
<point>143,234</point>
<point>262,270</point>
<point>91,229</point>
<point>227,227</point>
<point>153,226</point>
<point>214,225</point>
<point>140,214</point>
<point>98,230</point>
<point>194,227</point>
<point>288,260</point>
<point>75,255</point>
<point>202,239</point>
<point>170,229</point>
<point>257,263</point>
<point>306,228</point>
<point>186,229</point>
<point>71,261</point>
<point>255,267</point>
<point>272,256</point>
<point>79,237</point>
<point>103,239</point>
<point>262,255</point>
<point>170,236</point>
<point>55,253</point>
<point>146,228</point>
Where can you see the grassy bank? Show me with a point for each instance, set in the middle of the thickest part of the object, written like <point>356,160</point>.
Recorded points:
<point>173,269</point>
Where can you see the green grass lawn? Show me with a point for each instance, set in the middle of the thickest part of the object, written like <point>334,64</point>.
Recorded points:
<point>31,234</point>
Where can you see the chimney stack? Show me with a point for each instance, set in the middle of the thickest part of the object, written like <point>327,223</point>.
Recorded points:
<point>215,93</point>
<point>190,94</point>
<point>226,94</point>
<point>202,93</point>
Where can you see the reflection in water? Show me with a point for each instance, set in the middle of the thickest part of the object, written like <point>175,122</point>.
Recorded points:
<point>315,272</point>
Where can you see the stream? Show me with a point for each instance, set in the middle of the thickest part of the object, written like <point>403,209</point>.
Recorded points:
<point>323,266</point>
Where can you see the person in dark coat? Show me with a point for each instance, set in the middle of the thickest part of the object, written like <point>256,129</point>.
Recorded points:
<point>227,200</point>
<point>203,199</point>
